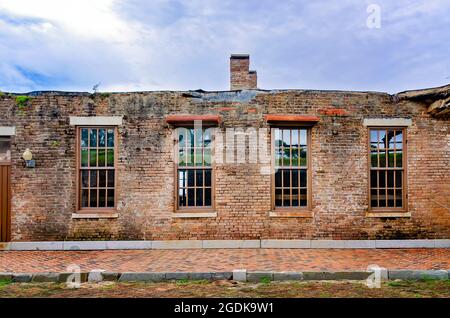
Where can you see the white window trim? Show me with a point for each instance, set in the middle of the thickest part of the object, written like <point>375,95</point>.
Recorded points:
<point>387,122</point>
<point>7,130</point>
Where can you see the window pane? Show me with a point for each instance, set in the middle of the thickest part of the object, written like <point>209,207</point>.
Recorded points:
<point>199,196</point>
<point>286,137</point>
<point>190,156</point>
<point>182,178</point>
<point>303,197</point>
<point>84,198</point>
<point>110,198</point>
<point>374,158</point>
<point>382,198</point>
<point>110,137</point>
<point>303,157</point>
<point>390,175</point>
<point>110,158</point>
<point>295,198</point>
<point>286,198</point>
<point>181,157</point>
<point>398,179</point>
<point>93,201</point>
<point>93,178</point>
<point>399,136</point>
<point>102,137</point>
<point>398,198</point>
<point>182,197</point>
<point>102,178</point>
<point>207,157</point>
<point>277,197</point>
<point>287,157</point>
<point>191,176</point>
<point>373,179</point>
<point>382,138</point>
<point>208,197</point>
<point>93,137</point>
<point>295,140</point>
<point>84,157</point>
<point>303,177</point>
<point>84,137</point>
<point>191,198</point>
<point>399,159</point>
<point>373,136</point>
<point>190,139</point>
<point>101,157</point>
<point>102,198</point>
<point>207,137</point>
<point>110,178</point>
<point>277,138</point>
<point>286,178</point>
<point>199,178</point>
<point>295,156</point>
<point>295,177</point>
<point>181,137</point>
<point>390,198</point>
<point>208,178</point>
<point>278,157</point>
<point>382,179</point>
<point>391,139</point>
<point>391,158</point>
<point>278,178</point>
<point>303,141</point>
<point>383,159</point>
<point>93,158</point>
<point>374,196</point>
<point>198,157</point>
<point>84,178</point>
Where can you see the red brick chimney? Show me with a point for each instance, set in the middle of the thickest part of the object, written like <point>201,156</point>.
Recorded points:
<point>240,76</point>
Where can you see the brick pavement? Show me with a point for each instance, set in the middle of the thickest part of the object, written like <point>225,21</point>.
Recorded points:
<point>204,260</point>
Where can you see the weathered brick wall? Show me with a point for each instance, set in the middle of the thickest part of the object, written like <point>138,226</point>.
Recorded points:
<point>44,198</point>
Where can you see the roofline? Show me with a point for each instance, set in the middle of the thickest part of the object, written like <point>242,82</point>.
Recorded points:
<point>418,93</point>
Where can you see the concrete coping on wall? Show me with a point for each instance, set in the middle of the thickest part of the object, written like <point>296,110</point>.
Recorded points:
<point>241,275</point>
<point>223,244</point>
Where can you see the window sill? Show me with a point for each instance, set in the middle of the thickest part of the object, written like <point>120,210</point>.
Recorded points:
<point>186,215</point>
<point>99,215</point>
<point>388,214</point>
<point>290,214</point>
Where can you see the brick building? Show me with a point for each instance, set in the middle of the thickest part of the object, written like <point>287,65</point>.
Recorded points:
<point>239,164</point>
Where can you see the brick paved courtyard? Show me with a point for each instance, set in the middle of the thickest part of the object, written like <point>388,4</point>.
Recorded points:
<point>204,260</point>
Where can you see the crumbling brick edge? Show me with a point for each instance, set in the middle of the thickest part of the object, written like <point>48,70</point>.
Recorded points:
<point>236,275</point>
<point>205,244</point>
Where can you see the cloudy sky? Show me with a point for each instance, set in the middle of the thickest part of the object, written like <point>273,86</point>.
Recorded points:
<point>129,45</point>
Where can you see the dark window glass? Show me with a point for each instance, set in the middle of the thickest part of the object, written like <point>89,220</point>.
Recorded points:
<point>96,167</point>
<point>194,167</point>
<point>386,157</point>
<point>291,166</point>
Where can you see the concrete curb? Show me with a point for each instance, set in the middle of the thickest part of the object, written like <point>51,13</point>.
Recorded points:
<point>241,275</point>
<point>220,244</point>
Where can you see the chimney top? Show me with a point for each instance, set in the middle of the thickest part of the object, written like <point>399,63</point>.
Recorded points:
<point>240,75</point>
<point>240,56</point>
